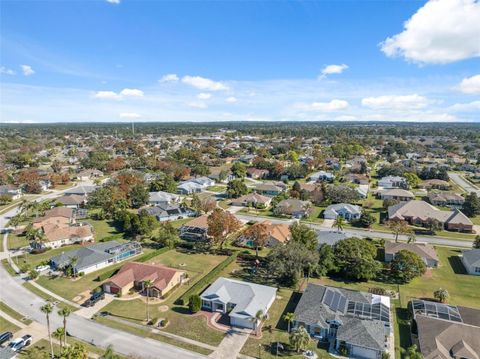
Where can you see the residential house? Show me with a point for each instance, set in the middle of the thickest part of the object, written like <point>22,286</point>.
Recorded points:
<point>278,233</point>
<point>293,207</point>
<point>58,235</point>
<point>471,261</point>
<point>73,201</point>
<point>256,173</point>
<point>89,174</point>
<point>240,300</point>
<point>443,331</point>
<point>195,230</point>
<point>420,213</point>
<point>398,194</point>
<point>11,191</point>
<point>446,199</point>
<point>57,216</point>
<point>435,184</point>
<point>169,212</point>
<point>358,178</point>
<point>270,189</point>
<point>392,182</point>
<point>80,190</point>
<point>423,250</point>
<point>252,200</point>
<point>321,176</point>
<point>215,175</point>
<point>133,275</point>
<point>96,256</point>
<point>162,198</point>
<point>195,185</point>
<point>357,321</point>
<point>347,211</point>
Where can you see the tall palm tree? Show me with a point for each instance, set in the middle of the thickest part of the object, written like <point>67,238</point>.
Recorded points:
<point>64,312</point>
<point>288,317</point>
<point>73,264</point>
<point>147,285</point>
<point>59,334</point>
<point>339,223</point>
<point>259,316</point>
<point>47,310</point>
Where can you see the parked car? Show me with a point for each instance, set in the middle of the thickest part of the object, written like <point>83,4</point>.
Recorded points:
<point>42,268</point>
<point>5,337</point>
<point>96,297</point>
<point>20,343</point>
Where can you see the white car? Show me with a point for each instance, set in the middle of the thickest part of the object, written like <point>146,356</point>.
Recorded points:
<point>20,343</point>
<point>42,268</point>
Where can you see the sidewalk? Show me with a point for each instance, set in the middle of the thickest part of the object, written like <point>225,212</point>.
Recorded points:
<point>53,295</point>
<point>12,320</point>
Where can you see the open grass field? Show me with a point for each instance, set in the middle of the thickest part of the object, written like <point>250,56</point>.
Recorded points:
<point>103,228</point>
<point>6,326</point>
<point>15,242</point>
<point>14,314</point>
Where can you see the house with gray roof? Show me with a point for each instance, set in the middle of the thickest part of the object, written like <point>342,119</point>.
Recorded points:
<point>357,321</point>
<point>293,207</point>
<point>330,237</point>
<point>162,198</point>
<point>345,210</point>
<point>443,331</point>
<point>97,256</point>
<point>169,212</point>
<point>424,250</point>
<point>80,190</point>
<point>471,261</point>
<point>240,300</point>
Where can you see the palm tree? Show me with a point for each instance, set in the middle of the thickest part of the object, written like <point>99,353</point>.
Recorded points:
<point>259,316</point>
<point>299,338</point>
<point>47,310</point>
<point>59,334</point>
<point>288,317</point>
<point>73,264</point>
<point>109,353</point>
<point>147,285</point>
<point>339,223</point>
<point>64,312</point>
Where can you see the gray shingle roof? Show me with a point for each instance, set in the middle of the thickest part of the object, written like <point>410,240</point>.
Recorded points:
<point>472,257</point>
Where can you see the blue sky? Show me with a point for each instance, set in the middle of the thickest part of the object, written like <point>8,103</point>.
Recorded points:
<point>152,60</point>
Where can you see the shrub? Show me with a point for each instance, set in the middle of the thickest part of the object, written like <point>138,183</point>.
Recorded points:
<point>81,274</point>
<point>152,321</point>
<point>207,279</point>
<point>164,323</point>
<point>194,303</point>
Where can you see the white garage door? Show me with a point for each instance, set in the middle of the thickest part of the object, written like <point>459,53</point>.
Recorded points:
<point>243,323</point>
<point>359,352</point>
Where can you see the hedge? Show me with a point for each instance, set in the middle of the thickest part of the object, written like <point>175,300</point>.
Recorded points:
<point>148,256</point>
<point>207,279</point>
<point>106,275</point>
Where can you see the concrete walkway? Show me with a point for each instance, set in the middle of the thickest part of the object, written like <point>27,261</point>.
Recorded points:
<point>53,295</point>
<point>231,344</point>
<point>12,320</point>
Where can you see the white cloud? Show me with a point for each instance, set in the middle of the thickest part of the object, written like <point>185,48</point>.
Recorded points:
<point>5,71</point>
<point>27,70</point>
<point>396,102</point>
<point>131,115</point>
<point>116,2</point>
<point>107,95</point>
<point>470,85</point>
<point>169,78</point>
<point>111,95</point>
<point>204,96</point>
<point>440,32</point>
<point>461,107</point>
<point>197,104</point>
<point>333,69</point>
<point>231,99</point>
<point>131,93</point>
<point>333,105</point>
<point>203,83</point>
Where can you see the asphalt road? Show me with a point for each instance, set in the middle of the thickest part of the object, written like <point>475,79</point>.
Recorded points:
<point>467,186</point>
<point>365,233</point>
<point>28,304</point>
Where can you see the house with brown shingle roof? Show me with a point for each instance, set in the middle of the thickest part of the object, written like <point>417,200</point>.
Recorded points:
<point>420,213</point>
<point>278,233</point>
<point>423,250</point>
<point>252,199</point>
<point>133,276</point>
<point>57,215</point>
<point>58,235</point>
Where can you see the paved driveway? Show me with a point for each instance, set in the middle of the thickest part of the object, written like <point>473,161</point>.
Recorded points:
<point>327,223</point>
<point>88,312</point>
<point>231,344</point>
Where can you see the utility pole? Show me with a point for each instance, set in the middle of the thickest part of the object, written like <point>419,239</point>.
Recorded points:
<point>133,128</point>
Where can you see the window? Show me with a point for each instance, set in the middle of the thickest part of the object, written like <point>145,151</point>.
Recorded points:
<point>477,269</point>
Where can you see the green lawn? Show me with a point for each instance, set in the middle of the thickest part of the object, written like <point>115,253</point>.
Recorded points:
<point>275,330</point>
<point>14,314</point>
<point>15,242</point>
<point>6,326</point>
<point>8,267</point>
<point>217,188</point>
<point>103,229</point>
